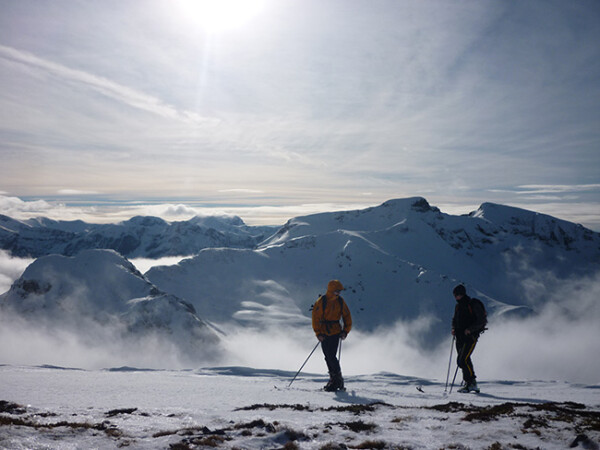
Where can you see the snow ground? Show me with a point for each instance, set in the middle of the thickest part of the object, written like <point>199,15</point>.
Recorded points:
<point>236,407</point>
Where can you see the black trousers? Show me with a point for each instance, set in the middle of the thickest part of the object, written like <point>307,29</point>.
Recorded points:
<point>329,345</point>
<point>465,345</point>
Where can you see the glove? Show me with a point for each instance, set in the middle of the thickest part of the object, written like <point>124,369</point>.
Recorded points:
<point>343,335</point>
<point>320,337</point>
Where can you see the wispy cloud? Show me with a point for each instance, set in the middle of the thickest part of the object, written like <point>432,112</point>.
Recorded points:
<point>242,191</point>
<point>557,189</point>
<point>123,94</point>
<point>75,192</point>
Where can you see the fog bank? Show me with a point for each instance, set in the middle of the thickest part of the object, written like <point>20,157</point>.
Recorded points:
<point>560,342</point>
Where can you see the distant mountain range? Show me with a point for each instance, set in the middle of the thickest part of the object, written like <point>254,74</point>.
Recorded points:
<point>399,262</point>
<point>148,237</point>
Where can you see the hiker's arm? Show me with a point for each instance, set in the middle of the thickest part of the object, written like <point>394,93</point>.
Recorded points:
<point>347,317</point>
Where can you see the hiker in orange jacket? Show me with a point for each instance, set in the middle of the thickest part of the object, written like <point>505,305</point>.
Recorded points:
<point>326,315</point>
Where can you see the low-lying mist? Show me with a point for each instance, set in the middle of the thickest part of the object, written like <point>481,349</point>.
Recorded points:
<point>26,343</point>
<point>11,269</point>
<point>559,342</point>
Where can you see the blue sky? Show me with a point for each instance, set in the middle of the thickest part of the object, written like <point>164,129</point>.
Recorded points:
<point>115,108</point>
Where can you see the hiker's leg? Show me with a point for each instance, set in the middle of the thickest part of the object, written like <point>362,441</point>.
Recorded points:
<point>330,347</point>
<point>465,350</point>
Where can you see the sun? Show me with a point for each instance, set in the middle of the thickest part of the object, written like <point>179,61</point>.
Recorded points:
<point>221,15</point>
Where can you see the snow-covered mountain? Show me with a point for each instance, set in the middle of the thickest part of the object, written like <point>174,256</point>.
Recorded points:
<point>98,295</point>
<point>148,237</point>
<point>398,261</point>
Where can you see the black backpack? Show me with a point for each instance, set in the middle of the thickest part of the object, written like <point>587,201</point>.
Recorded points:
<point>482,307</point>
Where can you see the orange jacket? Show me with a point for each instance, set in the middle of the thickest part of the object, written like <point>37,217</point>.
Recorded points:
<point>327,322</point>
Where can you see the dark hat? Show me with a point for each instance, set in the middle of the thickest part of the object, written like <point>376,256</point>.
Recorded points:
<point>460,290</point>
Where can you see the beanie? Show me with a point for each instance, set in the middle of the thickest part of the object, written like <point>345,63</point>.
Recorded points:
<point>460,290</point>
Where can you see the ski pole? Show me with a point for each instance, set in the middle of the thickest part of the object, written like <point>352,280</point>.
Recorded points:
<point>340,352</point>
<point>449,363</point>
<point>456,371</point>
<point>301,367</point>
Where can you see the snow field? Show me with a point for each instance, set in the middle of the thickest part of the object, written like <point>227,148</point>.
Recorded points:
<point>235,407</point>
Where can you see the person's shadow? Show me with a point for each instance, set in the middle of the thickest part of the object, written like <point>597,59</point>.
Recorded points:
<point>513,399</point>
<point>352,398</point>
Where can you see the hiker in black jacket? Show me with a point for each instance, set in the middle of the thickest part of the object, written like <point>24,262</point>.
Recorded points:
<point>467,324</point>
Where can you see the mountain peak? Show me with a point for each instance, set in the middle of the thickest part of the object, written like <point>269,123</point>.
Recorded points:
<point>52,280</point>
<point>386,215</point>
<point>534,224</point>
<point>418,204</point>
<point>100,295</point>
<point>145,221</point>
<point>217,221</point>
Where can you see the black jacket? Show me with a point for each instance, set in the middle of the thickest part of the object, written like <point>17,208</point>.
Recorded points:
<point>468,315</point>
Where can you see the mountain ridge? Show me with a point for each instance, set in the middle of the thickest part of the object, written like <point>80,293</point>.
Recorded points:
<point>398,261</point>
<point>140,236</point>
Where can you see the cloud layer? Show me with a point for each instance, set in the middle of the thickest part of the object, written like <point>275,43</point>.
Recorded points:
<point>306,103</point>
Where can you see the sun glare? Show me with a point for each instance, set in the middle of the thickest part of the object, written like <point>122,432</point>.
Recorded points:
<point>221,15</point>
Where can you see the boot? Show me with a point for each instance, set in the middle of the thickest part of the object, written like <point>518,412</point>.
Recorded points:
<point>329,386</point>
<point>469,386</point>
<point>338,382</point>
<point>473,387</point>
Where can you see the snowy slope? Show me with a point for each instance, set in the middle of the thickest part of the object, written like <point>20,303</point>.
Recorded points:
<point>489,247</point>
<point>398,261</point>
<point>240,407</point>
<point>149,237</point>
<point>99,296</point>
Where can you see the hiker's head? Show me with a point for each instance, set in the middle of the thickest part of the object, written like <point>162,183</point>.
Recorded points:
<point>459,292</point>
<point>334,287</point>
